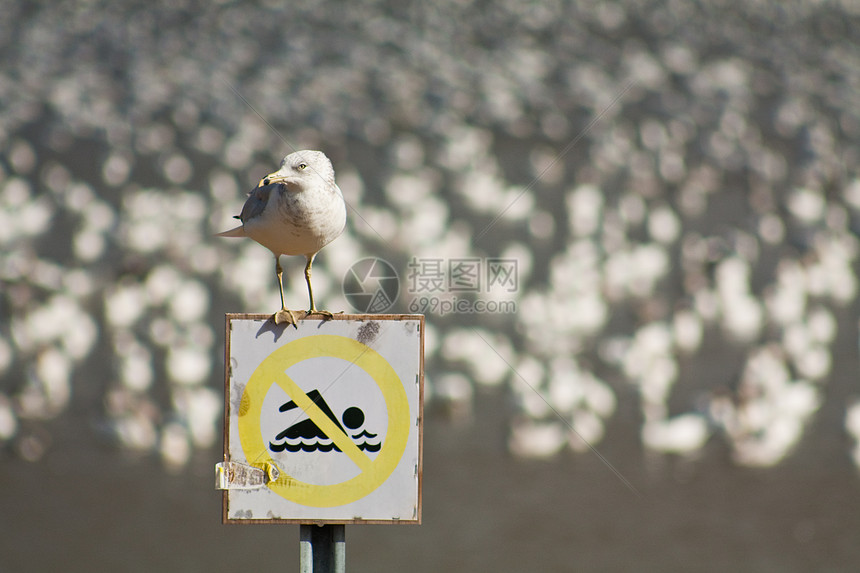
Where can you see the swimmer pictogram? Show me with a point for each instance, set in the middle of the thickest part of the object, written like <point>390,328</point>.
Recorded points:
<point>307,436</point>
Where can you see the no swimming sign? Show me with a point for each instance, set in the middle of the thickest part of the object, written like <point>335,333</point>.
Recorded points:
<point>323,422</point>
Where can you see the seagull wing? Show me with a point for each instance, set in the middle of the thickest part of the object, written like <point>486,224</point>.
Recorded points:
<point>254,207</point>
<point>256,203</point>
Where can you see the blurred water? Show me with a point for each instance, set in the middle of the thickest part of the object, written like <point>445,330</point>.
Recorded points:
<point>678,185</point>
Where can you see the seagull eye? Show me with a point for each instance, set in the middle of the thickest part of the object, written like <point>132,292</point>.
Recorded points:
<point>303,166</point>
<point>265,181</point>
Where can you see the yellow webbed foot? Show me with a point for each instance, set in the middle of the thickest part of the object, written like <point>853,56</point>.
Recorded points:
<point>285,316</point>
<point>327,314</point>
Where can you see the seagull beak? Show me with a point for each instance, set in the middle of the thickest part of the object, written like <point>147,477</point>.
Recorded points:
<point>275,177</point>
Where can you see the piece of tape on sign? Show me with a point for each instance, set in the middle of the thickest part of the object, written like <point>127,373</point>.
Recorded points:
<point>235,475</point>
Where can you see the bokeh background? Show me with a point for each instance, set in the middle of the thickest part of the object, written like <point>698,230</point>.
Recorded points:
<point>678,183</point>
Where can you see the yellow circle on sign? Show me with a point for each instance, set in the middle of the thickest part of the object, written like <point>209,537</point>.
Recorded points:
<point>272,370</point>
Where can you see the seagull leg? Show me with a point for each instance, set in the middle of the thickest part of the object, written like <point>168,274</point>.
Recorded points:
<point>313,309</point>
<point>280,273</point>
<point>283,315</point>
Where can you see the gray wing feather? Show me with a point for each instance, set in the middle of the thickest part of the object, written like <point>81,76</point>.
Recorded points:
<point>256,203</point>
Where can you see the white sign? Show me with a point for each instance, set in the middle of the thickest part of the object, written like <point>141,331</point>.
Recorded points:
<point>323,421</point>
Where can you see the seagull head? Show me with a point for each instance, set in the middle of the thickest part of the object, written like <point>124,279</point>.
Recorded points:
<point>299,166</point>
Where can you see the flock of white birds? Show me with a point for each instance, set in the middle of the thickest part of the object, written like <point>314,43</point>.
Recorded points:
<point>679,185</point>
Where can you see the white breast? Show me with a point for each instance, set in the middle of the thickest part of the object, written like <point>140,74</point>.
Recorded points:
<point>299,222</point>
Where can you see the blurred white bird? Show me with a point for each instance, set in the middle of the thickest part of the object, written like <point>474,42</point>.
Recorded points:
<point>297,210</point>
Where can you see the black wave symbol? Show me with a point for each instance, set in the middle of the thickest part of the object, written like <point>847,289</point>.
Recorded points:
<point>319,446</point>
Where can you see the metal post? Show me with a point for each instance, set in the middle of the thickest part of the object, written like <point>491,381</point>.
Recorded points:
<point>323,548</point>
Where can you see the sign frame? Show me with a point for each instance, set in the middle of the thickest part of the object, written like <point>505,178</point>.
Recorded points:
<point>268,324</point>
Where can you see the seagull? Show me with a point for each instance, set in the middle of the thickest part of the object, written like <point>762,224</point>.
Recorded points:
<point>297,210</point>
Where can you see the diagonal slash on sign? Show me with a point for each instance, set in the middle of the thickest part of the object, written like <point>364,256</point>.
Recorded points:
<point>323,422</point>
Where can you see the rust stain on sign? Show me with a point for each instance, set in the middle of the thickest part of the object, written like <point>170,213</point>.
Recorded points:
<point>368,332</point>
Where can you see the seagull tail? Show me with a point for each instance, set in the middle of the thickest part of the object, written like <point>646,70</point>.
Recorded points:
<point>237,232</point>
